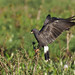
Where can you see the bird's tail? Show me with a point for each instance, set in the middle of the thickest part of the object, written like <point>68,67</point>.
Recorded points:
<point>46,53</point>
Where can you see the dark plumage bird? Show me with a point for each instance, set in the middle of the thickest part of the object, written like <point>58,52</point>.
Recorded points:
<point>51,29</point>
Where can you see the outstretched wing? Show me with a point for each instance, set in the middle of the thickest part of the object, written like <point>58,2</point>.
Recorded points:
<point>48,19</point>
<point>53,29</point>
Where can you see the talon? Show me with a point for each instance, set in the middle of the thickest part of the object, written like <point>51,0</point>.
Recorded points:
<point>36,50</point>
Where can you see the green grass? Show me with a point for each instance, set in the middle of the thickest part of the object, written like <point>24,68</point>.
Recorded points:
<point>17,56</point>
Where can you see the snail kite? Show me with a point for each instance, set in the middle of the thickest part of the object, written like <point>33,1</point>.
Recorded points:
<point>51,29</point>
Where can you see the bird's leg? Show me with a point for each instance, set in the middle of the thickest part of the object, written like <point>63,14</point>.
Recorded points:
<point>36,60</point>
<point>36,51</point>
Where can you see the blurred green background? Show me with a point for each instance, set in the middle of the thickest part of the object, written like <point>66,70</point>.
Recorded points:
<point>17,18</point>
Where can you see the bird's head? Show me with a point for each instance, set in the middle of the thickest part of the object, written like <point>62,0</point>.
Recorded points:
<point>34,31</point>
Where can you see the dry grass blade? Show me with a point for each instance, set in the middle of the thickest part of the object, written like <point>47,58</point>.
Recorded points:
<point>36,62</point>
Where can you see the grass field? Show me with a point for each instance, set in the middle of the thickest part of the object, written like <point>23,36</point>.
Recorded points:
<point>17,56</point>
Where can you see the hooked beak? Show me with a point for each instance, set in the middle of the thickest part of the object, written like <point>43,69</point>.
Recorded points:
<point>31,32</point>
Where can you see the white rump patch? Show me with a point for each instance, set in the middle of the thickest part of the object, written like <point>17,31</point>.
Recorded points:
<point>46,48</point>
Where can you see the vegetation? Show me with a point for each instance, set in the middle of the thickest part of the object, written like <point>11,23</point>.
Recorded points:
<point>17,56</point>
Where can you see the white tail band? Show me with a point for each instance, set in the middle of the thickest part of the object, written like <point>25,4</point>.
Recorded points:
<point>46,48</point>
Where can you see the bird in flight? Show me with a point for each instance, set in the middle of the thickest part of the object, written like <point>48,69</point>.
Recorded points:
<point>51,29</point>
